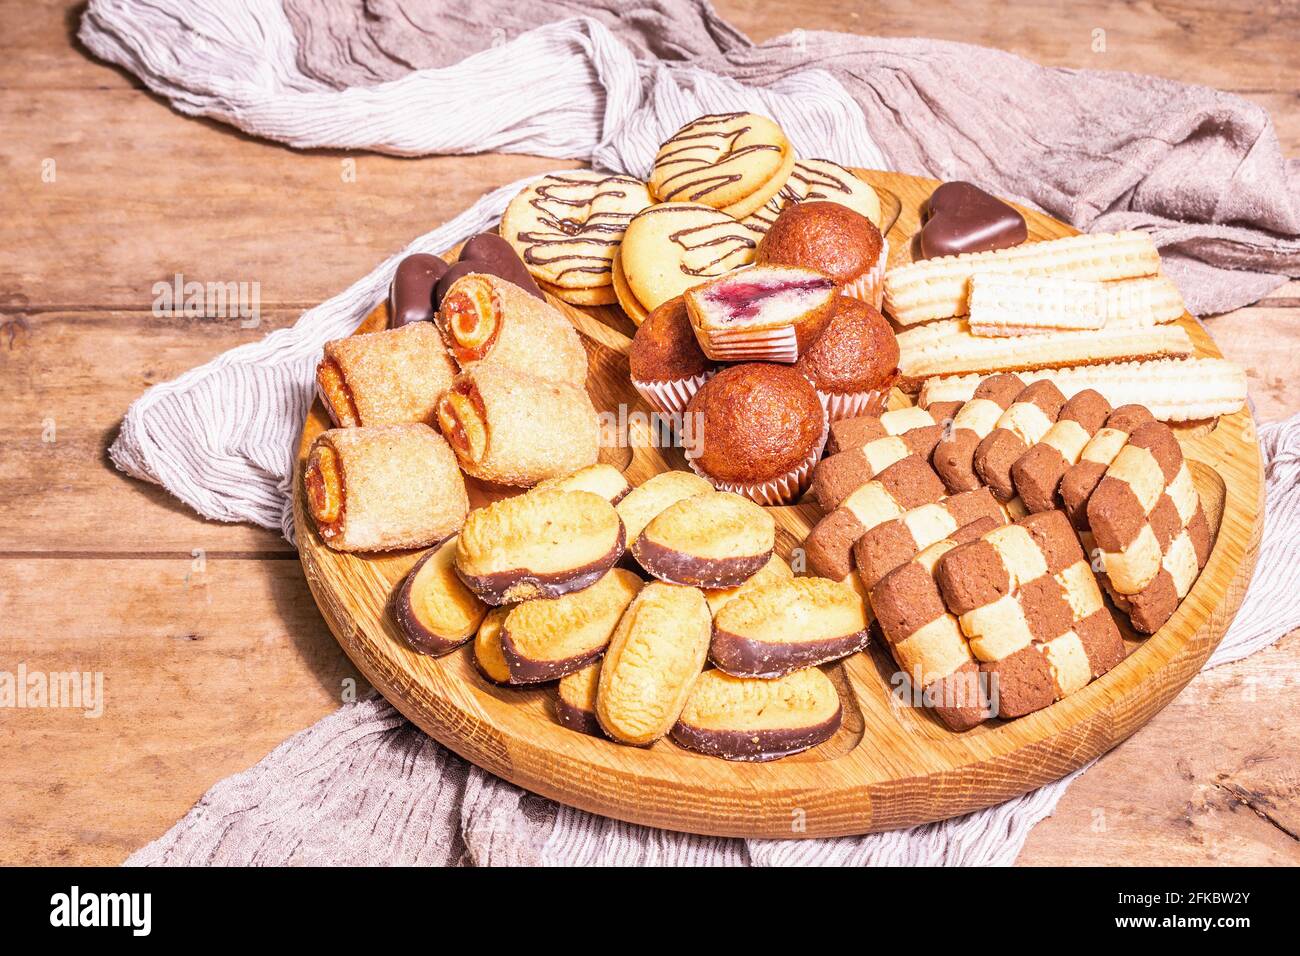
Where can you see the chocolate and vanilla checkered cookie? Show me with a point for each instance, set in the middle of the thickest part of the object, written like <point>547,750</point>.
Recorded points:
<point>893,436</point>
<point>1037,473</point>
<point>1148,526</point>
<point>1028,603</point>
<point>1081,480</point>
<point>926,639</point>
<point>1025,422</point>
<point>898,540</point>
<point>904,485</point>
<point>954,455</point>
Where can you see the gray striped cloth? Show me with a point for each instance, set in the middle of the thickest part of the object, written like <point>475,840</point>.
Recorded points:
<point>363,786</point>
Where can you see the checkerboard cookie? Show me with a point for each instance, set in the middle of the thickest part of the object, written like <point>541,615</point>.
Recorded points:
<point>1022,425</point>
<point>897,434</point>
<point>927,642</point>
<point>954,456</point>
<point>1037,473</point>
<point>904,485</point>
<point>897,541</point>
<point>1148,526</point>
<point>1028,603</point>
<point>1081,479</point>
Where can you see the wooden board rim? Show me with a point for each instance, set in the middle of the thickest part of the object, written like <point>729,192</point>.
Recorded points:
<point>830,797</point>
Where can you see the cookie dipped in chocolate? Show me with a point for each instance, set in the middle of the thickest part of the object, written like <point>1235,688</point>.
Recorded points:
<point>960,217</point>
<point>487,253</point>
<point>410,297</point>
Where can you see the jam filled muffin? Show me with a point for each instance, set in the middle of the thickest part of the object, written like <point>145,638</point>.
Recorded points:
<point>854,362</point>
<point>832,239</point>
<point>756,429</point>
<point>667,364</point>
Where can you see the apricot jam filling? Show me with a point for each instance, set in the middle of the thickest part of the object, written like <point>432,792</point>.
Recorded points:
<point>463,422</point>
<point>329,378</point>
<point>324,484</point>
<point>471,314</point>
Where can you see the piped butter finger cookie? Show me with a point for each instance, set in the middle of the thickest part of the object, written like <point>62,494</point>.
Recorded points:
<point>734,162</point>
<point>513,429</point>
<point>567,227</point>
<point>383,487</point>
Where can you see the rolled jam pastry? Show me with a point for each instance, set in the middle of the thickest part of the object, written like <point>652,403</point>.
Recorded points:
<point>383,487</point>
<point>385,378</point>
<point>513,429</point>
<point>487,319</point>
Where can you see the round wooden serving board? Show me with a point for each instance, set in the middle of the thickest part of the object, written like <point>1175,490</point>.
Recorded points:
<point>891,765</point>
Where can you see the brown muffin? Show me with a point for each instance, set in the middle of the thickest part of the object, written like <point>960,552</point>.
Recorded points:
<point>825,236</point>
<point>665,347</point>
<point>758,422</point>
<point>856,353</point>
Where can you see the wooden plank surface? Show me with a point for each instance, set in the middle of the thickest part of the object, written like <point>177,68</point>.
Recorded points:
<point>203,681</point>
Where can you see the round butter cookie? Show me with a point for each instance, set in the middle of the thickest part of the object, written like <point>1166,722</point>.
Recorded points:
<point>597,295</point>
<point>671,247</point>
<point>734,162</point>
<point>814,179</point>
<point>623,292</point>
<point>567,226</point>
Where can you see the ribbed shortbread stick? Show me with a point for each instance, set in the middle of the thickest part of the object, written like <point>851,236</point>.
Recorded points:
<point>380,487</point>
<point>1175,390</point>
<point>1003,304</point>
<point>940,288</point>
<point>949,348</point>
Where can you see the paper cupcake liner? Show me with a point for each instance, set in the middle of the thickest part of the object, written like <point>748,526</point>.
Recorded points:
<point>779,491</point>
<point>671,396</point>
<point>745,345</point>
<point>870,287</point>
<point>852,404</point>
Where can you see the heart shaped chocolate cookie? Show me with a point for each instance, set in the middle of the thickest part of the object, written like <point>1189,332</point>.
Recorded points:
<point>960,217</point>
<point>421,280</point>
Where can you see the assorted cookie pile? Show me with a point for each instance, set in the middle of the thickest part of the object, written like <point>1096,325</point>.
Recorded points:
<point>477,375</point>
<point>973,530</point>
<point>976,530</point>
<point>735,253</point>
<point>623,597</point>
<point>1088,311</point>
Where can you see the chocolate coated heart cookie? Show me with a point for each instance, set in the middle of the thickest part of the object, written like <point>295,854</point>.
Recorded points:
<point>959,217</point>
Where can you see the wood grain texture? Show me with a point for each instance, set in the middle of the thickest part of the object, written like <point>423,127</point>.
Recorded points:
<point>890,765</point>
<point>177,669</point>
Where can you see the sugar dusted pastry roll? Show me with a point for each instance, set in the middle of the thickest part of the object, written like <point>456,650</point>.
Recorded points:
<point>487,319</point>
<point>513,429</point>
<point>385,378</point>
<point>383,487</point>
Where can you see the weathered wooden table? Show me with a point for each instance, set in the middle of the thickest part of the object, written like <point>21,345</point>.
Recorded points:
<point>210,647</point>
